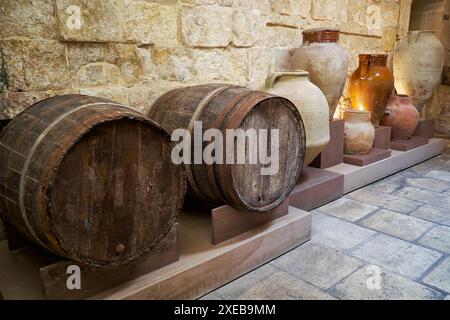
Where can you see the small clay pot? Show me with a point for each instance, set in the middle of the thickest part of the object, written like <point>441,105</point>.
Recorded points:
<point>401,115</point>
<point>359,132</point>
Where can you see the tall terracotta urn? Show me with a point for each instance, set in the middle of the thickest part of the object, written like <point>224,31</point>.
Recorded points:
<point>401,115</point>
<point>326,61</point>
<point>371,85</point>
<point>418,64</point>
<point>359,133</point>
<point>312,104</point>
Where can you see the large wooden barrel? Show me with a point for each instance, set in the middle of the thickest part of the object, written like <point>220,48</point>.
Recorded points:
<point>89,179</point>
<point>224,107</point>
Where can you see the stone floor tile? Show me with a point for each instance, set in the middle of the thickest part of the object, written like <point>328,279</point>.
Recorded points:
<point>384,186</point>
<point>282,285</point>
<point>439,277</point>
<point>240,285</point>
<point>397,224</point>
<point>429,184</point>
<point>347,209</point>
<point>400,177</point>
<point>447,297</point>
<point>211,296</point>
<point>317,264</point>
<point>430,165</point>
<point>384,200</point>
<point>338,233</point>
<point>363,285</point>
<point>397,255</point>
<point>439,174</point>
<point>437,238</point>
<point>424,196</point>
<point>432,213</point>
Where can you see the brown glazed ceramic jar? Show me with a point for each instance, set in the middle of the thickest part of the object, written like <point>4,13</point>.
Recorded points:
<point>401,115</point>
<point>359,132</point>
<point>326,61</point>
<point>371,85</point>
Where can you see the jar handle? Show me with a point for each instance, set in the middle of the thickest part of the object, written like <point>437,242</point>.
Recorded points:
<point>364,67</point>
<point>273,77</point>
<point>416,34</point>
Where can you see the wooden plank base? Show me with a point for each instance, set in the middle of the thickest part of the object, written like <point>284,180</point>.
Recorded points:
<point>411,143</point>
<point>365,159</point>
<point>425,128</point>
<point>315,188</point>
<point>204,267</point>
<point>332,154</point>
<point>228,222</point>
<point>382,138</point>
<point>33,273</point>
<point>356,177</point>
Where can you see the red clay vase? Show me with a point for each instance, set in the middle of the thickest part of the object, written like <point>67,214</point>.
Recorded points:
<point>401,115</point>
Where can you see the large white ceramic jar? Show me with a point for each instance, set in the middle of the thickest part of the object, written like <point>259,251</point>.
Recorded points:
<point>312,104</point>
<point>418,64</point>
<point>325,60</point>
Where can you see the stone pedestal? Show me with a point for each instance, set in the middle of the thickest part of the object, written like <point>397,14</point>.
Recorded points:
<point>333,153</point>
<point>374,155</point>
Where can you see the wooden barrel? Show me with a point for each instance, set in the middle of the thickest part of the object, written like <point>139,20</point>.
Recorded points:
<point>224,107</point>
<point>89,179</point>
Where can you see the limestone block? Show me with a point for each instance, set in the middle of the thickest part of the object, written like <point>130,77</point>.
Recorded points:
<point>90,20</point>
<point>261,5</point>
<point>261,63</point>
<point>143,96</point>
<point>280,36</point>
<point>404,17</point>
<point>325,10</point>
<point>248,27</point>
<point>174,64</point>
<point>389,38</point>
<point>2,74</point>
<point>98,74</point>
<point>301,8</point>
<point>44,65</point>
<point>12,53</point>
<point>390,14</point>
<point>221,65</point>
<point>12,103</point>
<point>281,6</point>
<point>357,12</point>
<point>114,93</point>
<point>32,19</point>
<point>151,23</point>
<point>225,3</point>
<point>128,59</point>
<point>374,20</point>
<point>206,26</point>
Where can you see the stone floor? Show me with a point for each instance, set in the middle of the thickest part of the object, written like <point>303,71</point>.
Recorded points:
<point>388,240</point>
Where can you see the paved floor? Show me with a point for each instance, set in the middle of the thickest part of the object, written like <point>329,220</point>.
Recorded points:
<point>388,240</point>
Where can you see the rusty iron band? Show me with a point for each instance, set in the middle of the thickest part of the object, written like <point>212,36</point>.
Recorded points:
<point>28,162</point>
<point>201,106</point>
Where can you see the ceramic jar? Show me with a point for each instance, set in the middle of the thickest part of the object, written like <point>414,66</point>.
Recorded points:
<point>418,64</point>
<point>326,61</point>
<point>402,116</point>
<point>359,133</point>
<point>312,104</point>
<point>371,85</point>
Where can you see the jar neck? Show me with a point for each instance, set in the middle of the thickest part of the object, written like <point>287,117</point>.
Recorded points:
<point>402,98</point>
<point>324,36</point>
<point>373,59</point>
<point>357,116</point>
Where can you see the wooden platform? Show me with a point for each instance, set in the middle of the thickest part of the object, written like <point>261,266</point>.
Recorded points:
<point>411,143</point>
<point>356,177</point>
<point>315,188</point>
<point>363,160</point>
<point>202,267</point>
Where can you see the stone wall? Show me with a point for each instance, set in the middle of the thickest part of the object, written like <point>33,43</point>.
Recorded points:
<point>133,51</point>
